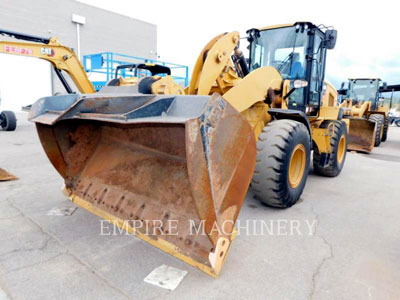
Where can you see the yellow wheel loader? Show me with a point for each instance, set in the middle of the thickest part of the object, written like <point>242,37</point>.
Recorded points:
<point>173,165</point>
<point>369,118</point>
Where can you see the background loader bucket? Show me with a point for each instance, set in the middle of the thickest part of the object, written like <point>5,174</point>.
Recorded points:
<point>174,170</point>
<point>361,135</point>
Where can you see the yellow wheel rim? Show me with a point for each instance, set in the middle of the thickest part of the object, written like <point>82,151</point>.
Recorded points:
<point>297,166</point>
<point>341,149</point>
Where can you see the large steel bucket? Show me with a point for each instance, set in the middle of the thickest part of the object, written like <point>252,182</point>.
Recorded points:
<point>178,165</point>
<point>361,135</point>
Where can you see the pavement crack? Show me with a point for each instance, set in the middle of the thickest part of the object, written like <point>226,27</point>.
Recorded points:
<point>41,248</point>
<point>330,256</point>
<point>35,264</point>
<point>67,252</point>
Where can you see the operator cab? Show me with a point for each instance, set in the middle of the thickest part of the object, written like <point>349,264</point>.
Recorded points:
<point>361,90</point>
<point>140,70</point>
<point>297,51</point>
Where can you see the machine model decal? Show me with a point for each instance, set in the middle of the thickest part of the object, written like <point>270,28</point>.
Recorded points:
<point>47,51</point>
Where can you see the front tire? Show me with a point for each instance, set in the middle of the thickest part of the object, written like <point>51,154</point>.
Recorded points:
<point>385,129</point>
<point>8,120</point>
<point>337,158</point>
<point>379,120</point>
<point>283,161</point>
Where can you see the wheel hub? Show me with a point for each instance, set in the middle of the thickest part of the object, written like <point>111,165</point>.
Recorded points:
<point>297,166</point>
<point>341,149</point>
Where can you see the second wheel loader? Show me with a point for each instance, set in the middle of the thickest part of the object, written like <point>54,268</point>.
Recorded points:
<point>151,151</point>
<point>369,118</point>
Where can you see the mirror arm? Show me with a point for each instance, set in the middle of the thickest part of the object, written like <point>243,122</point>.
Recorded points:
<point>288,94</point>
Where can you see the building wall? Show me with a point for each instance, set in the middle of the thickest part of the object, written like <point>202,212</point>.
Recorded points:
<point>103,31</point>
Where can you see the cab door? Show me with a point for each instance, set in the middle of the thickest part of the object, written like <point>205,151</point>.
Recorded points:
<point>316,73</point>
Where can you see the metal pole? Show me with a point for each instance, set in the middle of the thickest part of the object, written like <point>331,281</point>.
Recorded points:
<point>391,99</point>
<point>78,40</point>
<point>187,76</point>
<point>52,80</point>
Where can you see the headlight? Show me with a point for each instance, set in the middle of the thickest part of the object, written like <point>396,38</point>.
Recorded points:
<point>300,83</point>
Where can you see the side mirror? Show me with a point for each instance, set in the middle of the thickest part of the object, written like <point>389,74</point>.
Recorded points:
<point>342,85</point>
<point>384,84</point>
<point>330,39</point>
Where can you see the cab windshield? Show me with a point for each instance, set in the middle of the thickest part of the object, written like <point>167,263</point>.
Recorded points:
<point>282,48</point>
<point>363,89</point>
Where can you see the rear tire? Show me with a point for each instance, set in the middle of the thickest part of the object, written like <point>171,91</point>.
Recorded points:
<point>339,143</point>
<point>385,129</point>
<point>283,162</point>
<point>8,120</point>
<point>379,120</point>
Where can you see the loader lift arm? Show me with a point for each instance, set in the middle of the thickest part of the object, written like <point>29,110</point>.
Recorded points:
<point>61,57</point>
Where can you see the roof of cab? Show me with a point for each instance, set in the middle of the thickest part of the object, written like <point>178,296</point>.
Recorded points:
<point>284,25</point>
<point>275,26</point>
<point>365,79</point>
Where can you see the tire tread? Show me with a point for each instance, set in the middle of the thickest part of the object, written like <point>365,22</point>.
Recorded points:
<point>271,150</point>
<point>10,120</point>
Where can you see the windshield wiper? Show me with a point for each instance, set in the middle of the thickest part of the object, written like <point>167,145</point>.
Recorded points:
<point>285,61</point>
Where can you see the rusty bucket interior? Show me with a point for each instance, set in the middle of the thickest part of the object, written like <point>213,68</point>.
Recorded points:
<point>361,135</point>
<point>178,183</point>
